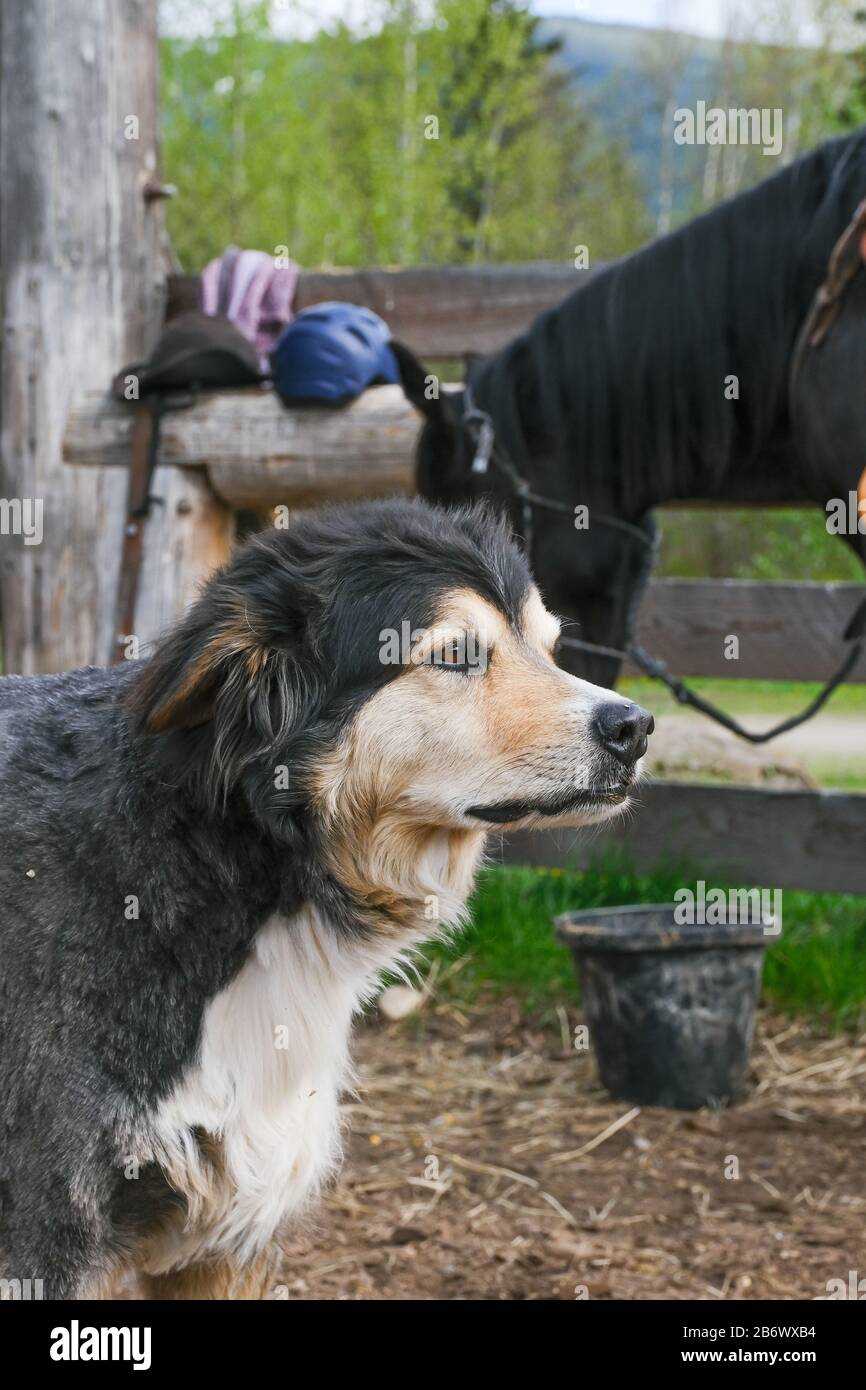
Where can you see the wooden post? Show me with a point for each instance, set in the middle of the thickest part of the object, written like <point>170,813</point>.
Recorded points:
<point>188,535</point>
<point>83,294</point>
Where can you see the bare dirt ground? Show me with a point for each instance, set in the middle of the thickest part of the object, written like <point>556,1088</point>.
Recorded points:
<point>484,1161</point>
<point>809,756</point>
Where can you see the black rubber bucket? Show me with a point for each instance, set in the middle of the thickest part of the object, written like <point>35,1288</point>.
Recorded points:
<point>671,1009</point>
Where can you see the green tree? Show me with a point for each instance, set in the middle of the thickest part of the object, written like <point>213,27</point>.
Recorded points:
<point>456,137</point>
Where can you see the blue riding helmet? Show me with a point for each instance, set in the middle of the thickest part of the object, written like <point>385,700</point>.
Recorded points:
<point>333,352</point>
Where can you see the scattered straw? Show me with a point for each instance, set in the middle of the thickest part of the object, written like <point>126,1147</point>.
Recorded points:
<point>612,1129</point>
<point>503,1170</point>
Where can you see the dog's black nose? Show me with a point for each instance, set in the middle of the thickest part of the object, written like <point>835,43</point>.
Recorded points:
<point>623,730</point>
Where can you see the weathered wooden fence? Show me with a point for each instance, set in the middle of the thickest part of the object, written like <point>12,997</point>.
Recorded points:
<point>257,454</point>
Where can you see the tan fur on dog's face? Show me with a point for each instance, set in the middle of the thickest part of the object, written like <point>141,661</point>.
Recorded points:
<point>437,747</point>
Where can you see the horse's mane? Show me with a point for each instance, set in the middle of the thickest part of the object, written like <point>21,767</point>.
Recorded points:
<point>628,373</point>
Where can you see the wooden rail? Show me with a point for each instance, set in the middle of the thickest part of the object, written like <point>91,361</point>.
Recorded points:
<point>438,311</point>
<point>784,631</point>
<point>748,835</point>
<point>257,452</point>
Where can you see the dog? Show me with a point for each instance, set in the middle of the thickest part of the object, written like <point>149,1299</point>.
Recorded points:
<point>209,856</point>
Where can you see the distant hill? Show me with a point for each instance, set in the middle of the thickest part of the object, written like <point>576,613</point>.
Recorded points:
<point>595,49</point>
<point>605,62</point>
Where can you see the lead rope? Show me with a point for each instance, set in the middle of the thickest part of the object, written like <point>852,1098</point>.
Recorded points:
<point>656,670</point>
<point>487,451</point>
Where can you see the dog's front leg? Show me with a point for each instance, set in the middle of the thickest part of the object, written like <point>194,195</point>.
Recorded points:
<point>223,1279</point>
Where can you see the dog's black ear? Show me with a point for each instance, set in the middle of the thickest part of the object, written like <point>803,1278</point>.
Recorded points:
<point>179,686</point>
<point>423,390</point>
<point>226,692</point>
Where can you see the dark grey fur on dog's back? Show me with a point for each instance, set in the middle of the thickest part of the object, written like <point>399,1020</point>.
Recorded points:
<point>100,1009</point>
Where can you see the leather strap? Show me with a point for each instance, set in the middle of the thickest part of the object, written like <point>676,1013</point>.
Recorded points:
<point>846,259</point>
<point>143,459</point>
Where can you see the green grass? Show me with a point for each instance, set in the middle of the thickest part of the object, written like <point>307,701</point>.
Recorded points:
<point>778,698</point>
<point>818,968</point>
<point>830,774</point>
<point>757,543</point>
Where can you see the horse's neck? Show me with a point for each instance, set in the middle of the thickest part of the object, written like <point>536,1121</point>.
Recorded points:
<point>666,377</point>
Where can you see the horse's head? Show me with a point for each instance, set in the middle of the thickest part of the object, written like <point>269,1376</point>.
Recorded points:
<point>589,571</point>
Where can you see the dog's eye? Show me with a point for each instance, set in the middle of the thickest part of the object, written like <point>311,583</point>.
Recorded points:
<point>451,655</point>
<point>462,655</point>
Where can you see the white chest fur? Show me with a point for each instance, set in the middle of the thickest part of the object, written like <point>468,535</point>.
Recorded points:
<point>273,1060</point>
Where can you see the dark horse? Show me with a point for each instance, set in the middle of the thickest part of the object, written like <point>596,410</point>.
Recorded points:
<point>668,376</point>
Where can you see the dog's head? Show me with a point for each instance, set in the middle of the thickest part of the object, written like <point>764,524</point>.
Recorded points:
<point>380,663</point>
